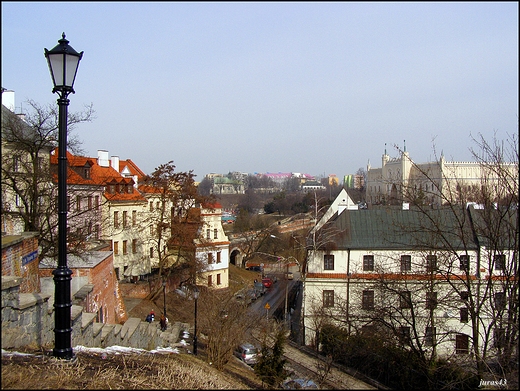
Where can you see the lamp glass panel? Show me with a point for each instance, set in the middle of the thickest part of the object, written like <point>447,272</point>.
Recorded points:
<point>70,72</point>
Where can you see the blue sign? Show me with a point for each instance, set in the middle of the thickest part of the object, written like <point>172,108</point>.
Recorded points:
<point>29,257</point>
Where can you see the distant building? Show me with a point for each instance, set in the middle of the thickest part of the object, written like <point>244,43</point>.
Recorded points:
<point>436,180</point>
<point>353,181</point>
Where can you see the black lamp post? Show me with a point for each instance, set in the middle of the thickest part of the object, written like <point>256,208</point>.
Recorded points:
<point>63,63</point>
<point>196,297</point>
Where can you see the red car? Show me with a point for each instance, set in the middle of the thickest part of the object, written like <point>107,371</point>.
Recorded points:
<point>267,282</point>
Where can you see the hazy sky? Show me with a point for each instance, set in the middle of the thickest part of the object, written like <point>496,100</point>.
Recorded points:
<point>315,88</point>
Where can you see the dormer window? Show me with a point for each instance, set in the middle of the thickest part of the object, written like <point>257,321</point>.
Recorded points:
<point>129,189</point>
<point>86,172</point>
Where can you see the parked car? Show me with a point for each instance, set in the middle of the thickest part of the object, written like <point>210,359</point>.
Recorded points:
<point>289,276</point>
<point>259,288</point>
<point>267,282</point>
<point>254,268</point>
<point>247,353</point>
<point>246,296</point>
<point>251,293</point>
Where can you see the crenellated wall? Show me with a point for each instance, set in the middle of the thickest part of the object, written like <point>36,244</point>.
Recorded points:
<point>28,321</point>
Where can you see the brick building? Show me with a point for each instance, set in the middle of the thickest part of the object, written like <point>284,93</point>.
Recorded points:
<point>20,259</point>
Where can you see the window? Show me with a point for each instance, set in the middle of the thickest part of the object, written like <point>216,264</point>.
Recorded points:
<point>151,252</point>
<point>116,248</point>
<point>134,218</point>
<point>218,257</point>
<point>134,246</point>
<point>218,279</point>
<point>215,233</point>
<point>129,189</point>
<point>96,201</point>
<point>431,263</point>
<point>328,299</point>
<point>368,300</point>
<point>112,189</point>
<point>328,262</point>
<point>210,258</point>
<point>406,263</point>
<point>499,337</point>
<point>208,233</point>
<point>125,213</point>
<point>78,203</point>
<point>500,300</point>
<point>151,206</point>
<point>431,300</point>
<point>89,202</point>
<point>368,262</point>
<point>96,231</point>
<point>210,280</point>
<point>404,333</point>
<point>405,299</point>
<point>429,336</point>
<point>68,203</point>
<point>124,247</point>
<point>464,262</point>
<point>116,219</point>
<point>500,262</point>
<point>464,295</point>
<point>462,344</point>
<point>464,315</point>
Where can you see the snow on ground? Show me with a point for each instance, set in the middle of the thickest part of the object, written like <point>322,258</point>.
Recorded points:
<point>108,350</point>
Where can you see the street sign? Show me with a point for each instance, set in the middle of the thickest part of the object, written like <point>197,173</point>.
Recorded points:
<point>267,306</point>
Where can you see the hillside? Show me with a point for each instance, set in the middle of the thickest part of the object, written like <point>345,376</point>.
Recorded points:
<point>39,370</point>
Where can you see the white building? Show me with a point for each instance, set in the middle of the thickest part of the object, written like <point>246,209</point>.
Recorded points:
<point>212,248</point>
<point>438,181</point>
<point>415,273</point>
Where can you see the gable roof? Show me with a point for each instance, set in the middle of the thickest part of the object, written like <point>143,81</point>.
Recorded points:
<point>98,176</point>
<point>379,229</point>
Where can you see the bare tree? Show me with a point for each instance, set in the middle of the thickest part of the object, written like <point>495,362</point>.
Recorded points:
<point>174,222</point>
<point>224,321</point>
<point>28,186</point>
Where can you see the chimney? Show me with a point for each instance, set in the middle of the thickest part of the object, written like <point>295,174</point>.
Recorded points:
<point>102,158</point>
<point>115,163</point>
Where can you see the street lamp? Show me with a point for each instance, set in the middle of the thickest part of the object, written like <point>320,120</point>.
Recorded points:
<point>63,63</point>
<point>164,298</point>
<point>195,296</point>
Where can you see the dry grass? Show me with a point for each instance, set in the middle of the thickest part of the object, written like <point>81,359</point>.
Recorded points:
<point>131,372</point>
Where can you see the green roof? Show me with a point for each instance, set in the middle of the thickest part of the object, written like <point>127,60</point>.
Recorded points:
<point>391,228</point>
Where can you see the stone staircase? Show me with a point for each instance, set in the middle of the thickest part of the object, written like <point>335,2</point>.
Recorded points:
<point>28,321</point>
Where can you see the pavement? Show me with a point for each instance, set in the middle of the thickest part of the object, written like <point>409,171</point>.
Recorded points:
<point>336,377</point>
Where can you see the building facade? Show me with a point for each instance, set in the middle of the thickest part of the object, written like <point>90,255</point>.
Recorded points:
<point>418,277</point>
<point>437,182</point>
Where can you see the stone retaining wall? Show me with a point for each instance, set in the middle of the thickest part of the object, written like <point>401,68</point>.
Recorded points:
<point>28,321</point>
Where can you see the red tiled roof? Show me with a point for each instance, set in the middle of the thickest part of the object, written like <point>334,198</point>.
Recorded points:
<point>100,176</point>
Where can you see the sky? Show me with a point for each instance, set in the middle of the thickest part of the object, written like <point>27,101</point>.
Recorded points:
<point>307,87</point>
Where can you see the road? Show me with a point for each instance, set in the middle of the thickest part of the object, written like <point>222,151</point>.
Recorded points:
<point>304,364</point>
